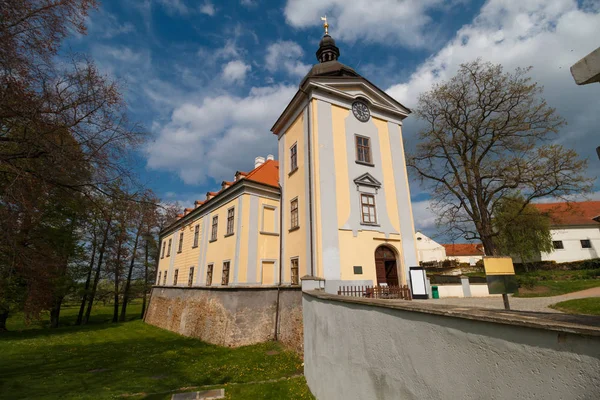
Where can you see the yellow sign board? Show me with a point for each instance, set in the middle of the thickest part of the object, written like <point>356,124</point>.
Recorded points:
<point>498,266</point>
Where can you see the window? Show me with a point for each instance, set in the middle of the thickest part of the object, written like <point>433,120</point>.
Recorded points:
<point>230,218</point>
<point>209,271</point>
<point>191,276</point>
<point>294,157</point>
<point>225,279</point>
<point>367,204</point>
<point>558,244</point>
<point>158,280</point>
<point>175,277</point>
<point>363,149</point>
<point>162,254</point>
<point>215,224</point>
<point>169,249</point>
<point>586,244</point>
<point>165,279</point>
<point>180,248</point>
<point>295,278</point>
<point>294,214</point>
<point>196,235</point>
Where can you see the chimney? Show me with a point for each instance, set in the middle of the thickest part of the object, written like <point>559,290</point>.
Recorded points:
<point>270,157</point>
<point>258,161</point>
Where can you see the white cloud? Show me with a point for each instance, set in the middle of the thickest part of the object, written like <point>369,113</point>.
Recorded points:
<point>249,3</point>
<point>423,215</point>
<point>221,135</point>
<point>235,71</point>
<point>285,56</point>
<point>549,35</point>
<point>208,8</point>
<point>175,7</point>
<point>405,22</point>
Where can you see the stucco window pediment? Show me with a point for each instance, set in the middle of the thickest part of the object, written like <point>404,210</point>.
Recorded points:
<point>367,180</point>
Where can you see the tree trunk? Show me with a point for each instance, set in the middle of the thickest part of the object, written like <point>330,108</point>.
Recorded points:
<point>87,284</point>
<point>55,313</point>
<point>145,278</point>
<point>117,267</point>
<point>128,282</point>
<point>489,245</point>
<point>3,318</point>
<point>97,275</point>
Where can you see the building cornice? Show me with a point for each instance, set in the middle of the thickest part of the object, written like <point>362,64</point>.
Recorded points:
<point>243,186</point>
<point>382,105</point>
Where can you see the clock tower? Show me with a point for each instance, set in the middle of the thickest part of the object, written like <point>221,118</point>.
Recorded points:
<point>345,198</point>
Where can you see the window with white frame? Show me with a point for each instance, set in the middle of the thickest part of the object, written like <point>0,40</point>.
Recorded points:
<point>169,248</point>
<point>367,206</point>
<point>586,244</point>
<point>230,219</point>
<point>180,248</point>
<point>196,235</point>
<point>191,276</point>
<point>225,276</point>
<point>215,226</point>
<point>175,277</point>
<point>363,149</point>
<point>158,280</point>
<point>294,221</point>
<point>209,274</point>
<point>294,157</point>
<point>295,278</point>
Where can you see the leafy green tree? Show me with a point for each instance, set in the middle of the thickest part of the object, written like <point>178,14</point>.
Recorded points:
<point>523,231</point>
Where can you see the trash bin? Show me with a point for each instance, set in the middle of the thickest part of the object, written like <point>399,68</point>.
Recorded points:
<point>434,292</point>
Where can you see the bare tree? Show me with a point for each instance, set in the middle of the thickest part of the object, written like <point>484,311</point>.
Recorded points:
<point>488,136</point>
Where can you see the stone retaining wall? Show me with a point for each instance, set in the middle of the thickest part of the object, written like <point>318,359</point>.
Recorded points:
<point>229,316</point>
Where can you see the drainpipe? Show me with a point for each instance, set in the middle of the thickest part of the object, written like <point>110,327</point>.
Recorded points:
<point>276,335</point>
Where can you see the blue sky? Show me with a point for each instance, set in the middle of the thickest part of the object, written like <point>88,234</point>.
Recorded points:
<point>207,79</point>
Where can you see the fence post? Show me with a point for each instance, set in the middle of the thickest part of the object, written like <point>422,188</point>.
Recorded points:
<point>466,287</point>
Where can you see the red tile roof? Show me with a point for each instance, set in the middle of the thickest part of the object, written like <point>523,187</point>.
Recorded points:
<point>267,173</point>
<point>463,249</point>
<point>574,213</point>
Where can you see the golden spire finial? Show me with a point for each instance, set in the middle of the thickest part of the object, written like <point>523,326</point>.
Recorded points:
<point>325,25</point>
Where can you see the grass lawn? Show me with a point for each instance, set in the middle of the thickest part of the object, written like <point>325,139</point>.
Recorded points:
<point>554,282</point>
<point>555,288</point>
<point>104,360</point>
<point>590,306</point>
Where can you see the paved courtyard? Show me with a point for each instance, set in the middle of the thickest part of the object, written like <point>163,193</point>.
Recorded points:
<point>538,304</point>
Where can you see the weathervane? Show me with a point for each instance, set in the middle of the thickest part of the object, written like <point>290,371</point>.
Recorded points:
<point>325,25</point>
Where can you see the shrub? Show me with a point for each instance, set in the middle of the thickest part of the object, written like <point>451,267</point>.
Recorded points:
<point>592,274</point>
<point>527,282</point>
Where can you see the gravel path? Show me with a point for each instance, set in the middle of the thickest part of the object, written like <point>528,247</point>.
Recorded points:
<point>539,304</point>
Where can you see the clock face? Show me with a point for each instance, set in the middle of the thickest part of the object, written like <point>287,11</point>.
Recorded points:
<point>361,111</point>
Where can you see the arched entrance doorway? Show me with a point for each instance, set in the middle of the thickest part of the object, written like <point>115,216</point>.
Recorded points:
<point>386,266</point>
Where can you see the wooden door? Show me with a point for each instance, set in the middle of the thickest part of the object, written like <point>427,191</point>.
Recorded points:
<point>385,266</point>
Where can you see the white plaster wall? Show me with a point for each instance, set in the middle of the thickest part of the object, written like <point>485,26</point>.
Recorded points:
<point>428,249</point>
<point>467,259</point>
<point>481,290</point>
<point>450,291</point>
<point>354,351</point>
<point>572,251</point>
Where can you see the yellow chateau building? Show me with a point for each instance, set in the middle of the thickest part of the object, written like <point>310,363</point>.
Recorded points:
<point>335,207</point>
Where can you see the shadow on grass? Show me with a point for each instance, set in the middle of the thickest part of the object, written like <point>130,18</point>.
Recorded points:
<point>109,360</point>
